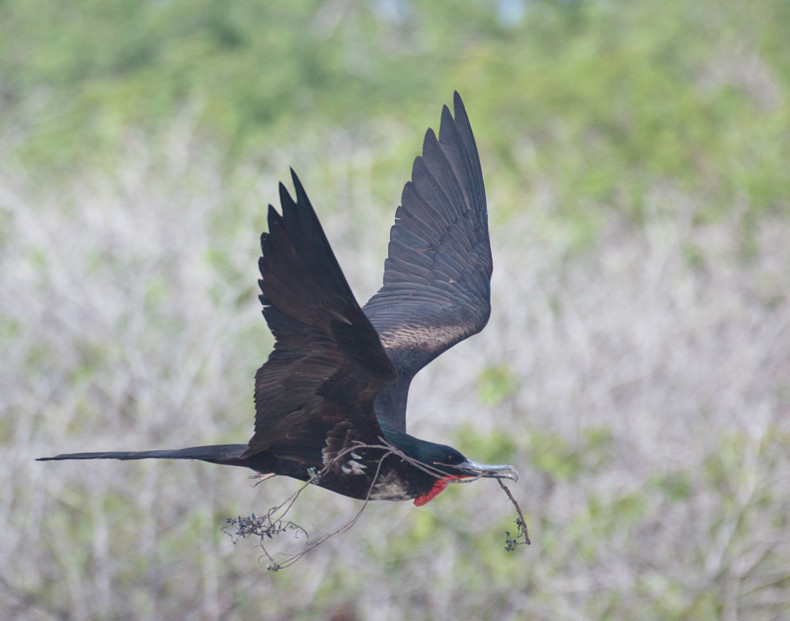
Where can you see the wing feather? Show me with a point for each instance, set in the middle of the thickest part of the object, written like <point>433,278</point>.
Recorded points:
<point>328,363</point>
<point>436,289</point>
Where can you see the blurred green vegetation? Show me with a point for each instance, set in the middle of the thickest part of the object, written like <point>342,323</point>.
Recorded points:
<point>601,100</point>
<point>496,383</point>
<point>586,113</point>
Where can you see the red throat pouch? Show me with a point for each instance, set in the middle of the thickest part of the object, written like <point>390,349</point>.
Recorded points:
<point>438,488</point>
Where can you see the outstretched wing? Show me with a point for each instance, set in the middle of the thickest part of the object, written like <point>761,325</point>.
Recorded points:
<point>437,276</point>
<point>315,393</point>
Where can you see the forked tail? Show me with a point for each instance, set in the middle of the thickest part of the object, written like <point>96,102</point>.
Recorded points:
<point>217,454</point>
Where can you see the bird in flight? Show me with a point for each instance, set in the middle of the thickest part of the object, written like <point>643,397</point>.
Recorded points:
<point>330,401</point>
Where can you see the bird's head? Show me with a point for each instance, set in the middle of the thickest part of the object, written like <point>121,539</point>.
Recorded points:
<point>450,462</point>
<point>447,465</point>
<point>443,464</point>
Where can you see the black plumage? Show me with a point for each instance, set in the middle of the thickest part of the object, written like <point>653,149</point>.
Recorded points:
<point>331,399</point>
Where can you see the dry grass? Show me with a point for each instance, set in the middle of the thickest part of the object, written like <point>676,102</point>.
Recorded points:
<point>649,417</point>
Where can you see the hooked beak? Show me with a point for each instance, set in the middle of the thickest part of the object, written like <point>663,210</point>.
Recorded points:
<point>475,469</point>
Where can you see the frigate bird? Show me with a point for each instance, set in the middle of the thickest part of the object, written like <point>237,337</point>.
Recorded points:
<point>330,400</point>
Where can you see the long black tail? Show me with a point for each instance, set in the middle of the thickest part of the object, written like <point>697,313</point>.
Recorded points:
<point>217,454</point>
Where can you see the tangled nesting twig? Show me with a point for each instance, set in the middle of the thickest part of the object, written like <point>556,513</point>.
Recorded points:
<point>273,522</point>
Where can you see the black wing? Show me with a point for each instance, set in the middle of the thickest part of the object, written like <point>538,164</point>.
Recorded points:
<point>437,276</point>
<point>328,364</point>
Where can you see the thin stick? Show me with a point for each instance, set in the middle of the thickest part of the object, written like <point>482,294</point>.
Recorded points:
<point>521,523</point>
<point>271,524</point>
<point>344,528</point>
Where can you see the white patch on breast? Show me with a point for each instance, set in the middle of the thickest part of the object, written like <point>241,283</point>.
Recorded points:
<point>389,487</point>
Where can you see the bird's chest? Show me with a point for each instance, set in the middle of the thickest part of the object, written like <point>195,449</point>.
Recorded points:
<point>391,486</point>
<point>397,485</point>
<point>373,474</point>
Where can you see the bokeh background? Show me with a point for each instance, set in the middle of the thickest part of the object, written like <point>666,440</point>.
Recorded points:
<point>636,367</point>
